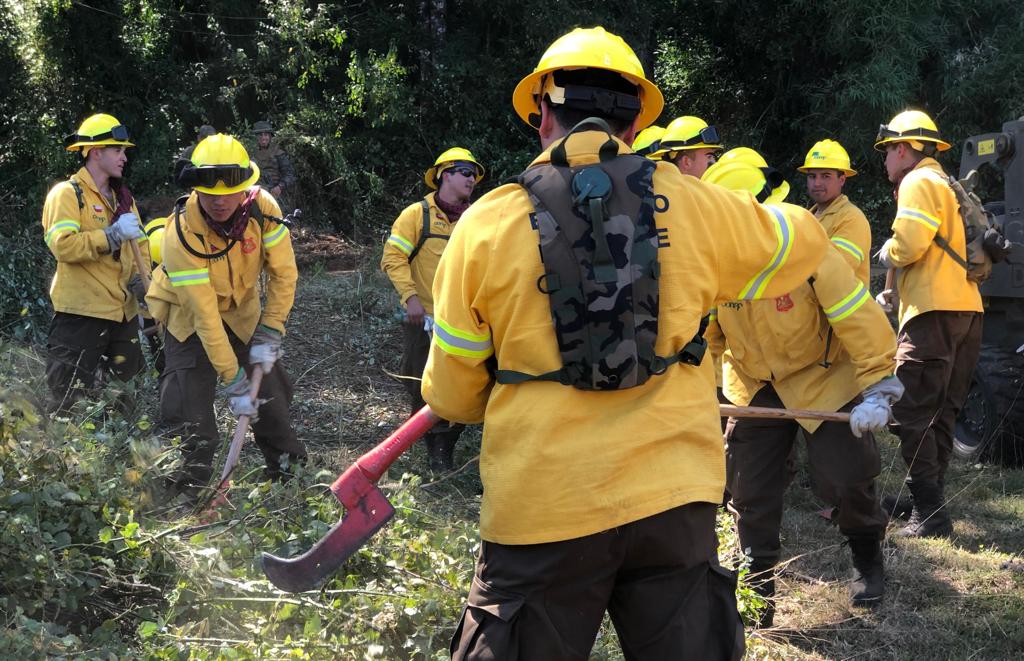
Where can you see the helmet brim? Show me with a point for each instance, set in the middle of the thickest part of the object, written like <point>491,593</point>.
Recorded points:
<point>98,143</point>
<point>221,189</point>
<point>941,145</point>
<point>849,172</point>
<point>652,102</point>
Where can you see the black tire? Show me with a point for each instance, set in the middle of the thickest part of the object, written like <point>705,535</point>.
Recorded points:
<point>990,426</point>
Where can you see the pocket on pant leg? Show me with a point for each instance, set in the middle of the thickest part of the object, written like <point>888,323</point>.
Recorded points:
<point>487,630</point>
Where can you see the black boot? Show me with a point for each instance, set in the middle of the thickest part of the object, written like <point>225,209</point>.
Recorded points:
<point>897,507</point>
<point>762,580</point>
<point>868,585</point>
<point>440,453</point>
<point>929,517</point>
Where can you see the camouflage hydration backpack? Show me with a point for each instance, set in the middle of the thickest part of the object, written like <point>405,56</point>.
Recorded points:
<point>599,246</point>
<point>984,240</point>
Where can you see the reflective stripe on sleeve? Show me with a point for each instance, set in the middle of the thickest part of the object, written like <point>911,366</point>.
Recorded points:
<point>274,237</point>
<point>400,243</point>
<point>60,227</point>
<point>849,247</point>
<point>919,216</point>
<point>185,278</point>
<point>844,308</point>
<point>460,343</point>
<point>784,234</point>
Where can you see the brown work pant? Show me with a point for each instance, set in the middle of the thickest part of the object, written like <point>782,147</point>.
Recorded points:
<point>843,466</point>
<point>188,389</point>
<point>78,346</point>
<point>658,578</point>
<point>935,359</point>
<point>415,349</point>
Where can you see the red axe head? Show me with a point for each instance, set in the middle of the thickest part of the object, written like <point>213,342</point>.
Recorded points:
<point>367,510</point>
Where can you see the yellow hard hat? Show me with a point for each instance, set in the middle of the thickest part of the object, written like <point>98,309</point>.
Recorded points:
<point>912,126</point>
<point>646,141</point>
<point>449,159</point>
<point>155,232</point>
<point>588,48</point>
<point>828,155</point>
<point>220,166</point>
<point>688,132</point>
<point>744,169</point>
<point>96,131</point>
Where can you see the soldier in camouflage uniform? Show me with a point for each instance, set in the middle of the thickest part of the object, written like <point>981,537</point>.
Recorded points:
<point>276,174</point>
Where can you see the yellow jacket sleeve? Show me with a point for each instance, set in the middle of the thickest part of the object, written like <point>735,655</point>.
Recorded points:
<point>462,343</point>
<point>763,251</point>
<point>918,216</point>
<point>279,264</point>
<point>857,320</point>
<point>716,344</point>
<point>852,236</point>
<point>189,276</point>
<point>62,228</point>
<point>405,232</point>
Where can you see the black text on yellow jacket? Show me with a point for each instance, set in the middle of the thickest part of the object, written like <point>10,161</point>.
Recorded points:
<point>88,280</point>
<point>196,294</point>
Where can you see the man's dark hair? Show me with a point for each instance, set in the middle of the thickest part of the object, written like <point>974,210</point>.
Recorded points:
<point>600,79</point>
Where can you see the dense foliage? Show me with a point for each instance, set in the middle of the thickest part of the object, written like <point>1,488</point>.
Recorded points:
<point>365,94</point>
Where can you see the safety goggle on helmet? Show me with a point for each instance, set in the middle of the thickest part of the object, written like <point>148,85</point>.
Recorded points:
<point>220,166</point>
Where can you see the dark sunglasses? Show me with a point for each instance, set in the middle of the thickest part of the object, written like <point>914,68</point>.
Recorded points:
<point>118,132</point>
<point>707,135</point>
<point>207,176</point>
<point>465,172</point>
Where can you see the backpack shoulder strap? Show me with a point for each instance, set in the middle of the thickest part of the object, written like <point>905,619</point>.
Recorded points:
<point>78,192</point>
<point>425,232</point>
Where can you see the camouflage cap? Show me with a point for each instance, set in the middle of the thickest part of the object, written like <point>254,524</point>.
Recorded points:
<point>262,126</point>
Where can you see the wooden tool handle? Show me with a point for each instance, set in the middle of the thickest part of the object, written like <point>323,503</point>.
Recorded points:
<point>243,426</point>
<point>728,410</point>
<point>141,264</point>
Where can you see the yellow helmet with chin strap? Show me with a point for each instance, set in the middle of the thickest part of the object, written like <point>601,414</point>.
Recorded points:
<point>689,132</point>
<point>98,131</point>
<point>647,141</point>
<point>913,127</point>
<point>588,48</point>
<point>449,159</point>
<point>743,168</point>
<point>220,166</point>
<point>828,155</point>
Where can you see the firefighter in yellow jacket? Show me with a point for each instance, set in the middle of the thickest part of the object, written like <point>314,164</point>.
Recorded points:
<point>602,459</point>
<point>940,314</point>
<point>411,254</point>
<point>690,144</point>
<point>824,345</point>
<point>827,166</point>
<point>205,293</point>
<point>87,222</point>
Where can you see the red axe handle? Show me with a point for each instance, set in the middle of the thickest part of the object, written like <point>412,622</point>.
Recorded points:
<point>367,510</point>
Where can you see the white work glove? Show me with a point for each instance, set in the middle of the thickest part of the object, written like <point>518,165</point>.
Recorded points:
<point>883,254</point>
<point>875,411</point>
<point>237,393</point>
<point>125,228</point>
<point>886,299</point>
<point>265,349</point>
<point>428,323</point>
